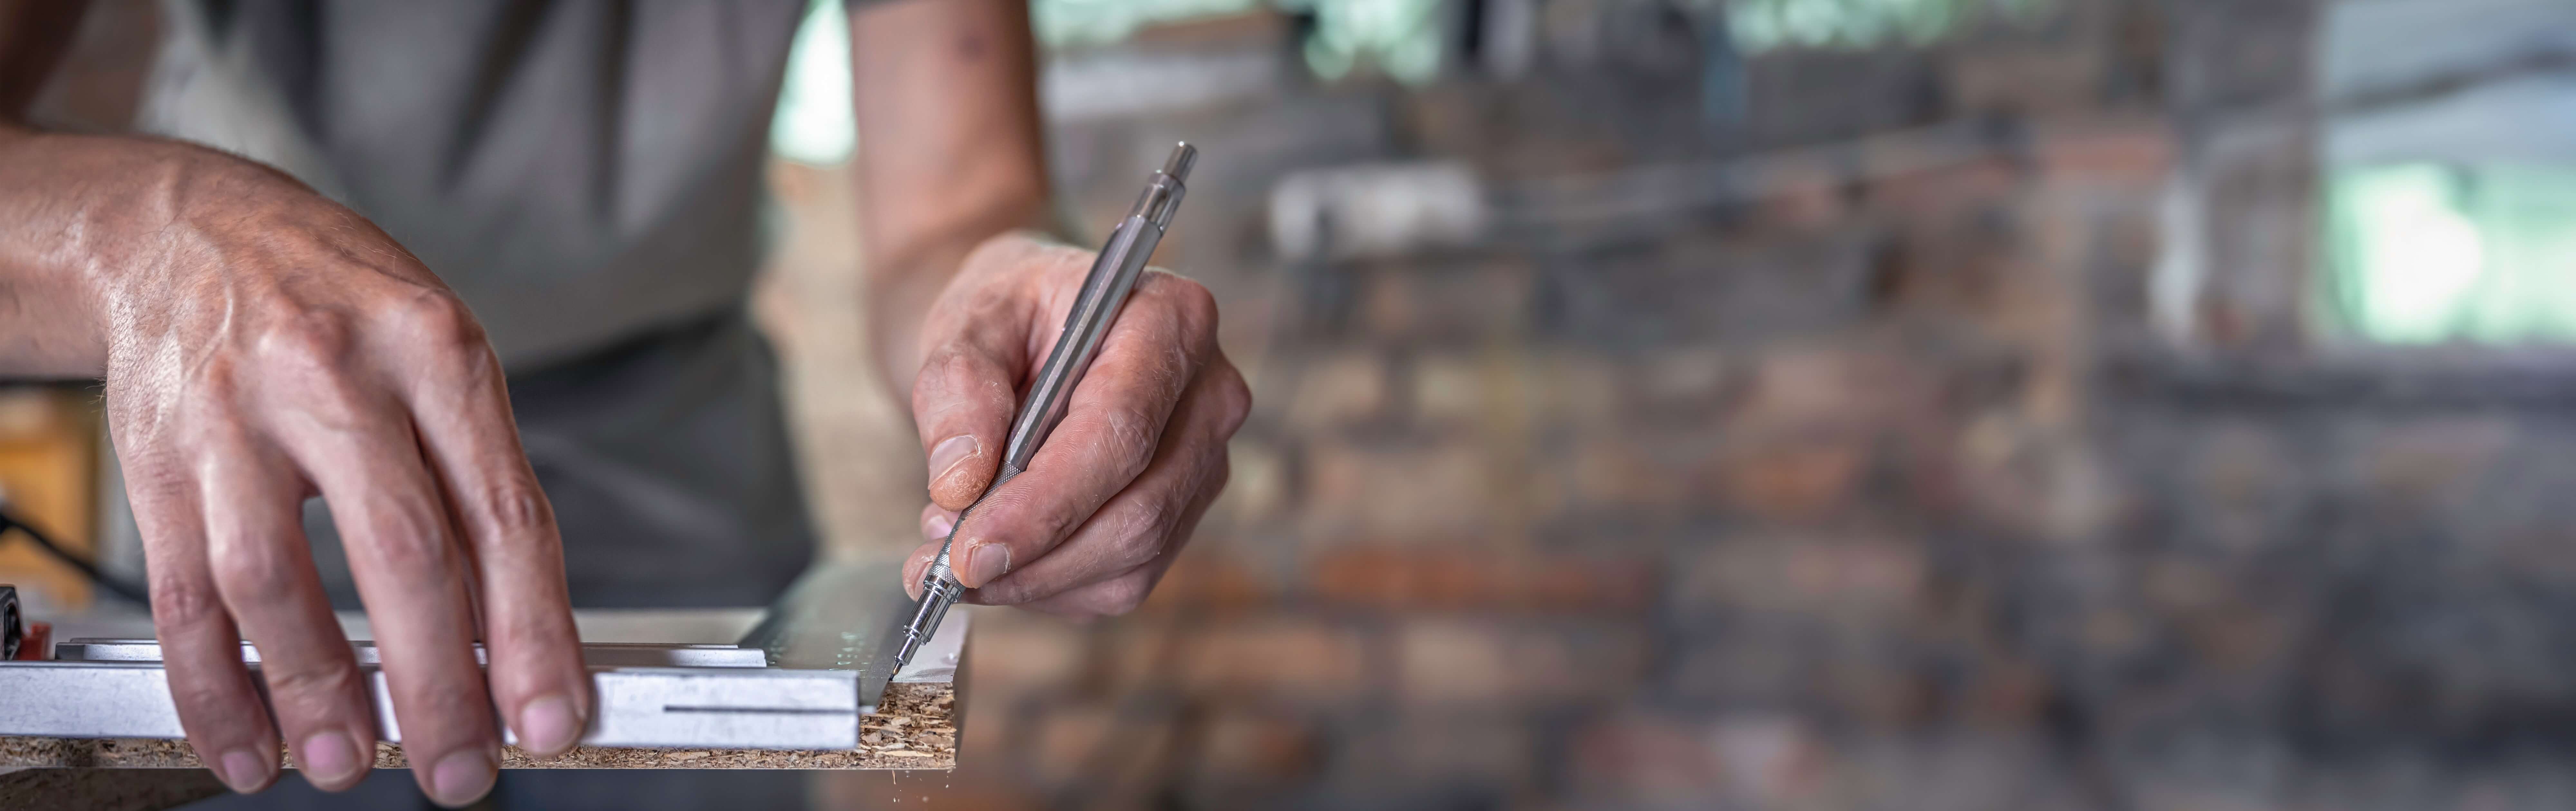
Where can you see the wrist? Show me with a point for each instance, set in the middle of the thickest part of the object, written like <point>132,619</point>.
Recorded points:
<point>57,196</point>
<point>903,285</point>
<point>177,214</point>
<point>96,233</point>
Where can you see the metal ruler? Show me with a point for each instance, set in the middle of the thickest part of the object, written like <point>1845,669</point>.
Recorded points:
<point>649,695</point>
<point>769,692</point>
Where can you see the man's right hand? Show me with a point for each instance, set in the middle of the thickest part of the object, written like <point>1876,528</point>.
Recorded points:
<point>262,345</point>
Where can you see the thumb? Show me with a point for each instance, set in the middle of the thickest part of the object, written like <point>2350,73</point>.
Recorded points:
<point>962,402</point>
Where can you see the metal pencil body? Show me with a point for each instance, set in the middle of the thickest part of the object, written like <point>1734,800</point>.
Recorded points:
<point>1104,289</point>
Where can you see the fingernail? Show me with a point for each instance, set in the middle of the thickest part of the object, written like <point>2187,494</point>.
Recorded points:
<point>987,561</point>
<point>245,770</point>
<point>939,526</point>
<point>461,778</point>
<point>948,453</point>
<point>328,758</point>
<point>547,725</point>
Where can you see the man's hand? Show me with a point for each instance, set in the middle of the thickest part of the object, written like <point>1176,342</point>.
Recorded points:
<point>946,97</point>
<point>262,345</point>
<point>1118,487</point>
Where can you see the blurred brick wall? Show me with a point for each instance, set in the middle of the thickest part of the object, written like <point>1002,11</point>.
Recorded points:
<point>1814,452</point>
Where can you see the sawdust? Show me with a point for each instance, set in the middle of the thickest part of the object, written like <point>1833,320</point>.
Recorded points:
<point>914,728</point>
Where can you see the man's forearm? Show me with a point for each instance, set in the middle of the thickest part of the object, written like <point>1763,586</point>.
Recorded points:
<point>949,152</point>
<point>46,327</point>
<point>48,311</point>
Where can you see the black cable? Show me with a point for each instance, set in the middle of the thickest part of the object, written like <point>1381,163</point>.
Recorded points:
<point>120,588</point>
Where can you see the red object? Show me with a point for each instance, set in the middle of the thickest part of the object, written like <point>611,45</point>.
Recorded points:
<point>31,646</point>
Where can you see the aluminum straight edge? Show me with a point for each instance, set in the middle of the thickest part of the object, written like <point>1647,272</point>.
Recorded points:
<point>596,654</point>
<point>715,707</point>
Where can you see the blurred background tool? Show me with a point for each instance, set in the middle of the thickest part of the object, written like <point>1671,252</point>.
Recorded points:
<point>12,629</point>
<point>49,456</point>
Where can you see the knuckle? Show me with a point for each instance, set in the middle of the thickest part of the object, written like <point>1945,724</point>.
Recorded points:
<point>442,318</point>
<point>956,371</point>
<point>179,603</point>
<point>252,574</point>
<point>1133,431</point>
<point>1196,303</point>
<point>1139,538</point>
<point>310,351</point>
<point>513,508</point>
<point>1220,471</point>
<point>311,688</point>
<point>949,365</point>
<point>437,323</point>
<point>307,340</point>
<point>1123,595</point>
<point>998,250</point>
<point>1233,400</point>
<point>1176,365</point>
<point>437,317</point>
<point>1192,305</point>
<point>1064,260</point>
<point>412,545</point>
<point>1135,549</point>
<point>1197,313</point>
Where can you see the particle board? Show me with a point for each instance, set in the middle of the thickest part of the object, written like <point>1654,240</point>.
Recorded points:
<point>915,727</point>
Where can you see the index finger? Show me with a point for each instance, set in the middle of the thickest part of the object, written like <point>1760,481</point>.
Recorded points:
<point>964,394</point>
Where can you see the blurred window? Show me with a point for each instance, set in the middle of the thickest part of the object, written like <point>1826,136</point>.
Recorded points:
<point>2449,172</point>
<point>814,123</point>
<point>1062,23</point>
<point>2433,252</point>
<point>1400,38</point>
<point>1761,25</point>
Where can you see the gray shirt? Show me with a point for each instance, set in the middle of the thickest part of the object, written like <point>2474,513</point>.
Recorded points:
<point>586,174</point>
<point>579,172</point>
